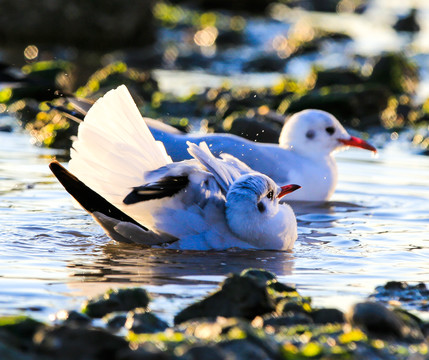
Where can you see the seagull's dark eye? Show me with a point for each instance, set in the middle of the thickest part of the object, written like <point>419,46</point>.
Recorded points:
<point>310,134</point>
<point>330,130</point>
<point>261,207</point>
<point>270,195</point>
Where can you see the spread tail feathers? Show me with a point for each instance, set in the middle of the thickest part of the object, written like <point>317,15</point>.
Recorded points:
<point>115,148</point>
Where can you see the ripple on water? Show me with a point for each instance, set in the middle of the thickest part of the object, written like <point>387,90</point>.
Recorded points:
<point>52,255</point>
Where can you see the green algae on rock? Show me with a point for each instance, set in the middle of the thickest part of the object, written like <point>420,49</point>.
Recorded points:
<point>269,320</point>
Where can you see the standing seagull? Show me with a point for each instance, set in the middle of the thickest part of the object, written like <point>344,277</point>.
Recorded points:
<point>128,183</point>
<point>304,154</point>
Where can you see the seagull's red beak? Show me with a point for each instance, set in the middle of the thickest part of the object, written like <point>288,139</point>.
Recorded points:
<point>356,142</point>
<point>287,189</point>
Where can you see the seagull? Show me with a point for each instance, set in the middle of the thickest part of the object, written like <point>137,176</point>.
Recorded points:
<point>304,154</point>
<point>126,180</point>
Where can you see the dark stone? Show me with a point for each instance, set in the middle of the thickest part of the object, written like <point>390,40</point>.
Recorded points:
<point>239,296</point>
<point>289,319</point>
<point>144,352</point>
<point>116,300</point>
<point>230,38</point>
<point>17,332</point>
<point>65,342</point>
<point>252,6</point>
<point>115,321</point>
<point>327,316</point>
<point>355,106</point>
<point>280,287</point>
<point>337,77</point>
<point>381,322</point>
<point>408,23</point>
<point>207,352</point>
<point>193,61</point>
<point>245,349</point>
<point>395,285</point>
<point>287,306</point>
<point>141,321</point>
<point>409,296</point>
<point>396,72</point>
<point>265,63</point>
<point>75,317</point>
<point>6,128</point>
<point>83,24</point>
<point>255,130</point>
<point>7,352</point>
<point>261,275</point>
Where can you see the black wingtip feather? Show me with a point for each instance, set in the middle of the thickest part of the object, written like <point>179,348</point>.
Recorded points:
<point>86,197</point>
<point>165,187</point>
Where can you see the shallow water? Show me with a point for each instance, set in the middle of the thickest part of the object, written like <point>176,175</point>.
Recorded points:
<point>53,255</point>
<point>375,229</point>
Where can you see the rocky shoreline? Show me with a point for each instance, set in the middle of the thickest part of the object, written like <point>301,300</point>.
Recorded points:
<point>250,316</point>
<point>370,94</point>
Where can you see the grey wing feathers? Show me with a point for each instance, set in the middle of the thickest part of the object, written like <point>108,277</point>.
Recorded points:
<point>224,173</point>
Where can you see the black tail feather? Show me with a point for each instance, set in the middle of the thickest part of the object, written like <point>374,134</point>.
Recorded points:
<point>86,197</point>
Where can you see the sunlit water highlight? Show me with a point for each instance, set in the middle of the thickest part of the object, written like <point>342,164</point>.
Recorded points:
<point>53,255</point>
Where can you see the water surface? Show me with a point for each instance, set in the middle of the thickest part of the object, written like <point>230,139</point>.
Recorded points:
<point>53,255</point>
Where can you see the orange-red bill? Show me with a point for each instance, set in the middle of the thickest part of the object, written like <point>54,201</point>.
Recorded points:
<point>356,142</point>
<point>287,189</point>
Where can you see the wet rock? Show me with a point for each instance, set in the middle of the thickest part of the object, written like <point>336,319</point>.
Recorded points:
<point>333,77</point>
<point>265,63</point>
<point>41,81</point>
<point>239,296</point>
<point>6,128</point>
<point>261,275</point>
<point>65,342</point>
<point>141,84</point>
<point>230,38</point>
<point>381,322</point>
<point>408,23</point>
<point>396,72</point>
<point>192,61</point>
<point>16,333</point>
<point>290,319</point>
<point>206,352</point>
<point>7,352</point>
<point>255,129</point>
<point>252,6</point>
<point>327,316</point>
<point>115,321</point>
<point>143,354</point>
<point>294,305</point>
<point>243,349</point>
<point>73,318</point>
<point>355,106</point>
<point>90,25</point>
<point>280,287</point>
<point>116,300</point>
<point>140,321</point>
<point>401,293</point>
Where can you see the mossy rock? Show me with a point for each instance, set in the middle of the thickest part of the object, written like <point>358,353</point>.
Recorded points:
<point>116,300</point>
<point>239,296</point>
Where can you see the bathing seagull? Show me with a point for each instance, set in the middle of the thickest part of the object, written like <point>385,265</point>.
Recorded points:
<point>304,154</point>
<point>125,179</point>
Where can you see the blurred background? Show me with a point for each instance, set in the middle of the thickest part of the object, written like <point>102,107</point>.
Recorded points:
<point>205,65</point>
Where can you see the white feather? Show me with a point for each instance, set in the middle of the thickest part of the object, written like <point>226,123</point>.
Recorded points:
<point>114,149</point>
<point>224,173</point>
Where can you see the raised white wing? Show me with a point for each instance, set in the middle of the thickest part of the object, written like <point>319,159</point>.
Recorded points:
<point>224,172</point>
